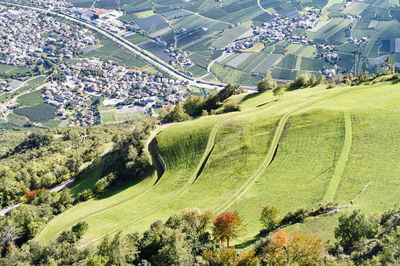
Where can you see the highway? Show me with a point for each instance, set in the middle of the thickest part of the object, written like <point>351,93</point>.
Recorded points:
<point>132,48</point>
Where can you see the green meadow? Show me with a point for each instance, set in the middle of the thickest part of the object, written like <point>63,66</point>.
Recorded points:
<point>307,147</point>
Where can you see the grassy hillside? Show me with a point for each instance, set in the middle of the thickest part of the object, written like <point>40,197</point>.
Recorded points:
<point>307,147</point>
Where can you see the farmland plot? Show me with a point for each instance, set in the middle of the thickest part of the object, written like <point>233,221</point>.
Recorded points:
<point>239,59</point>
<point>268,63</point>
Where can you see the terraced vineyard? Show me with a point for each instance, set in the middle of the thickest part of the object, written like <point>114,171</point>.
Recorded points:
<point>308,147</point>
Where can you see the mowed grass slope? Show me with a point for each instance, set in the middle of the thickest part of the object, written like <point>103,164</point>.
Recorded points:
<point>333,143</point>
<point>181,148</point>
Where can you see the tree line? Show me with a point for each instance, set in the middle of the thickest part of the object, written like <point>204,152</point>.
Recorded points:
<point>196,106</point>
<point>196,237</point>
<point>303,81</point>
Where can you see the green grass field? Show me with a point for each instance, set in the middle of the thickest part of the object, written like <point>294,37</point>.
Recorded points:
<point>308,147</point>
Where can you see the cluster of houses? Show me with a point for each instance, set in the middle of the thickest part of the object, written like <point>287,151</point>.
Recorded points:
<point>26,37</point>
<point>46,3</point>
<point>116,84</point>
<point>277,29</point>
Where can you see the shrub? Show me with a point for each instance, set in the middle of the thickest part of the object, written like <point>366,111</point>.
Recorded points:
<point>85,195</point>
<point>103,183</point>
<point>79,229</point>
<point>230,107</point>
<point>296,216</point>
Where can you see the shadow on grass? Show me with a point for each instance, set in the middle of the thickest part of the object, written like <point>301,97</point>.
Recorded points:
<point>101,167</point>
<point>248,97</point>
<point>263,104</point>
<point>250,242</point>
<point>124,184</point>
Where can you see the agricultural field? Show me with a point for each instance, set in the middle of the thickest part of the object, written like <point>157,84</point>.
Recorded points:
<point>305,148</point>
<point>355,33</point>
<point>109,115</point>
<point>31,105</point>
<point>107,50</point>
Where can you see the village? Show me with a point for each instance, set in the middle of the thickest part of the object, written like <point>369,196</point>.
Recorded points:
<point>27,37</point>
<point>113,83</point>
<point>29,40</point>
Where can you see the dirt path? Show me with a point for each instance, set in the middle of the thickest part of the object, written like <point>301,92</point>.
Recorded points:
<point>344,156</point>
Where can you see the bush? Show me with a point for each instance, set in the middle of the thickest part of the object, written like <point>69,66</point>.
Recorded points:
<point>230,107</point>
<point>85,195</point>
<point>103,183</point>
<point>79,229</point>
<point>301,81</point>
<point>296,216</point>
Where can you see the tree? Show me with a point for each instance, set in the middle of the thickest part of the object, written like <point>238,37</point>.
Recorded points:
<point>178,114</point>
<point>227,225</point>
<point>228,91</point>
<point>79,229</point>
<point>270,217</point>
<point>313,80</point>
<point>388,61</point>
<point>300,81</point>
<point>352,228</point>
<point>220,257</point>
<point>321,80</point>
<point>267,83</point>
<point>278,90</point>
<point>8,234</point>
<point>175,251</point>
<point>296,249</point>
<point>389,66</point>
<point>193,106</point>
<point>246,259</point>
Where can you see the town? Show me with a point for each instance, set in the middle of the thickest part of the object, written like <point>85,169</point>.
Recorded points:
<point>115,84</point>
<point>52,47</point>
<point>27,37</point>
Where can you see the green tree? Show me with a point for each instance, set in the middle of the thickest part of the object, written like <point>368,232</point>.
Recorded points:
<point>352,228</point>
<point>278,90</point>
<point>193,105</point>
<point>267,83</point>
<point>178,114</point>
<point>300,81</point>
<point>270,217</point>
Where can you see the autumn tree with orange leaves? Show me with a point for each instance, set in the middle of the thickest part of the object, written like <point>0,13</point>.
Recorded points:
<point>286,249</point>
<point>227,225</point>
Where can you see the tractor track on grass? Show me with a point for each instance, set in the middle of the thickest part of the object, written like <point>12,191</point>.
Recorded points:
<point>121,203</point>
<point>191,181</point>
<point>207,153</point>
<point>273,147</point>
<point>341,165</point>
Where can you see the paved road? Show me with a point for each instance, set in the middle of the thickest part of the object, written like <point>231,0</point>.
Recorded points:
<point>53,189</point>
